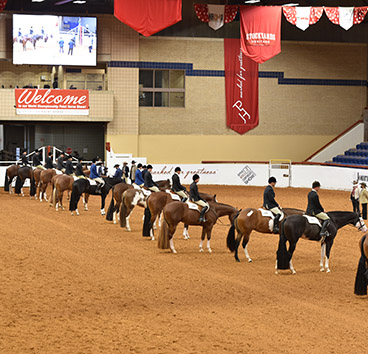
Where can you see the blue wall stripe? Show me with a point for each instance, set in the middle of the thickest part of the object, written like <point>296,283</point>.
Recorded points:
<point>279,75</point>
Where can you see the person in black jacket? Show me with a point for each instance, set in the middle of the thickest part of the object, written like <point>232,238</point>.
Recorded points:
<point>148,181</point>
<point>144,171</point>
<point>24,158</point>
<point>177,187</point>
<point>315,208</point>
<point>36,160</point>
<point>270,203</point>
<point>60,162</point>
<point>69,169</point>
<point>79,169</point>
<point>48,162</point>
<point>195,197</point>
<point>125,170</point>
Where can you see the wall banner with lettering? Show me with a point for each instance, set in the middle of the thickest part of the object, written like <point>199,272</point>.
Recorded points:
<point>241,88</point>
<point>54,102</point>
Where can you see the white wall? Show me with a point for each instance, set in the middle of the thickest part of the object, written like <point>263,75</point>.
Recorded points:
<point>338,147</point>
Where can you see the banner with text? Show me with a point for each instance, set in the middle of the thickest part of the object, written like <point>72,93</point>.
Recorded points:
<point>241,88</point>
<point>260,32</point>
<point>55,102</point>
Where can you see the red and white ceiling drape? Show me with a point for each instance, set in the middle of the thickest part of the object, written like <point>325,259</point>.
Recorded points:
<point>216,15</point>
<point>2,5</point>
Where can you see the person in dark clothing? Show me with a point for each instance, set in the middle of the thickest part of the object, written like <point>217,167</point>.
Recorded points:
<point>270,203</point>
<point>125,171</point>
<point>195,197</point>
<point>24,158</point>
<point>177,186</point>
<point>48,162</point>
<point>144,171</point>
<point>133,170</point>
<point>71,46</point>
<point>69,169</point>
<point>315,208</point>
<point>79,169</point>
<point>138,176</point>
<point>118,173</point>
<point>148,181</point>
<point>60,162</point>
<point>354,197</point>
<point>36,160</point>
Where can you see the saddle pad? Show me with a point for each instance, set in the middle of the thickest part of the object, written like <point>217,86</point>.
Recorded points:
<point>192,206</point>
<point>174,196</point>
<point>136,187</point>
<point>313,220</point>
<point>146,192</point>
<point>266,213</point>
<point>58,172</point>
<point>91,182</point>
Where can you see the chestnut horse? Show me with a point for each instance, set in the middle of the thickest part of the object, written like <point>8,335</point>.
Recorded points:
<point>131,198</point>
<point>297,226</point>
<point>11,172</point>
<point>24,173</point>
<point>176,212</point>
<point>45,179</point>
<point>60,183</point>
<point>361,279</point>
<point>248,220</point>
<point>155,205</point>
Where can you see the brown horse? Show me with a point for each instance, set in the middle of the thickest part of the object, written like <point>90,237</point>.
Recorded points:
<point>117,195</point>
<point>11,172</point>
<point>24,173</point>
<point>248,220</point>
<point>45,179</point>
<point>131,198</point>
<point>60,184</point>
<point>176,212</point>
<point>36,173</point>
<point>155,205</point>
<point>361,279</point>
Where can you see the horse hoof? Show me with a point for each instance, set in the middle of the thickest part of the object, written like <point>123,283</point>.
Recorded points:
<point>114,222</point>
<point>250,261</point>
<point>328,270</point>
<point>276,272</point>
<point>209,250</point>
<point>237,260</point>
<point>152,238</point>
<point>322,270</point>
<point>72,214</point>
<point>201,250</point>
<point>174,251</point>
<point>293,272</point>
<point>129,230</point>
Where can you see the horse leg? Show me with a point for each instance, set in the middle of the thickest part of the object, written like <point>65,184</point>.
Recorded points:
<point>291,250</point>
<point>185,232</point>
<point>160,220</point>
<point>202,239</point>
<point>127,220</point>
<point>327,257</point>
<point>244,244</point>
<point>172,230</point>
<point>323,254</point>
<point>209,232</point>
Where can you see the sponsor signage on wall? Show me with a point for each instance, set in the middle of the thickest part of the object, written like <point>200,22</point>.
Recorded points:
<point>49,101</point>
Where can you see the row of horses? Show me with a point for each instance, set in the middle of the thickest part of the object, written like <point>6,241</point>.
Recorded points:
<point>125,197</point>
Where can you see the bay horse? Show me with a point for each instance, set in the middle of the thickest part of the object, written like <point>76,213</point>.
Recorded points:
<point>249,220</point>
<point>36,173</point>
<point>83,185</point>
<point>45,179</point>
<point>25,172</point>
<point>361,278</point>
<point>155,205</point>
<point>60,184</point>
<point>176,212</point>
<point>131,198</point>
<point>297,226</point>
<point>11,172</point>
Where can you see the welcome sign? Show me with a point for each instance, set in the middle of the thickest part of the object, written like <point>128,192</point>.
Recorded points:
<point>55,102</point>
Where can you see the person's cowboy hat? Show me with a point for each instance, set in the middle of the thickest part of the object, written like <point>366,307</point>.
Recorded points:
<point>363,184</point>
<point>117,165</point>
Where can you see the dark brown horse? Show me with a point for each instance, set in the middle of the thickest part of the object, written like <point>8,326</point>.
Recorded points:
<point>60,183</point>
<point>45,179</point>
<point>131,198</point>
<point>361,279</point>
<point>11,172</point>
<point>176,212</point>
<point>24,173</point>
<point>250,220</point>
<point>155,205</point>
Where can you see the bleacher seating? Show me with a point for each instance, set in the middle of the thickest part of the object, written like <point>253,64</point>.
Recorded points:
<point>357,156</point>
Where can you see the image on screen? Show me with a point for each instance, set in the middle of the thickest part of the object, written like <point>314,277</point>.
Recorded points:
<point>54,40</point>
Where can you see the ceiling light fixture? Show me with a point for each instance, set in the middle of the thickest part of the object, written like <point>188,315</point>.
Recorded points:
<point>251,1</point>
<point>291,4</point>
<point>38,0</point>
<point>79,2</point>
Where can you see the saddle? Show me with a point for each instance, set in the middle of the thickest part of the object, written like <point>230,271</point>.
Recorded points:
<point>91,181</point>
<point>269,214</point>
<point>173,195</point>
<point>58,172</point>
<point>313,220</point>
<point>194,206</point>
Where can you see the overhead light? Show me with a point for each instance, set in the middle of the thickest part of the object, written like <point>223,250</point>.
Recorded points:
<point>251,1</point>
<point>79,2</point>
<point>38,0</point>
<point>291,4</point>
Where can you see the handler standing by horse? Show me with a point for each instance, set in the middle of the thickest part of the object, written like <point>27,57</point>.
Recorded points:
<point>195,197</point>
<point>94,175</point>
<point>270,203</point>
<point>315,208</point>
<point>25,161</point>
<point>177,186</point>
<point>148,181</point>
<point>48,162</point>
<point>36,160</point>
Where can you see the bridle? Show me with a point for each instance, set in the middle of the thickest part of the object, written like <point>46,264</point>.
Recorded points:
<point>360,225</point>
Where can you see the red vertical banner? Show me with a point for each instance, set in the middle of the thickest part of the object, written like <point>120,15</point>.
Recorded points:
<point>241,88</point>
<point>260,32</point>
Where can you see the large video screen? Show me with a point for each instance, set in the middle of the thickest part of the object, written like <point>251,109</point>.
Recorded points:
<point>54,40</point>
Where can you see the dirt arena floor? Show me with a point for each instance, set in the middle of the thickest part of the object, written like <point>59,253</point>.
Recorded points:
<point>83,285</point>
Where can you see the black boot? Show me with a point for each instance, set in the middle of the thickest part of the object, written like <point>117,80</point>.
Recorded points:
<point>184,199</point>
<point>324,233</point>
<point>98,188</point>
<point>276,228</point>
<point>201,217</point>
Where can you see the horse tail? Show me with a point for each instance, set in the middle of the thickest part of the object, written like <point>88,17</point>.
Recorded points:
<point>147,222</point>
<point>110,211</point>
<point>6,183</point>
<point>361,281</point>
<point>283,256</point>
<point>32,188</point>
<point>122,212</point>
<point>74,198</point>
<point>54,197</point>
<point>18,185</point>
<point>230,240</point>
<point>163,238</point>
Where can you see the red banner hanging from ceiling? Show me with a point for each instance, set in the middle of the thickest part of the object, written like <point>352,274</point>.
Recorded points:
<point>148,16</point>
<point>260,32</point>
<point>241,88</point>
<point>2,4</point>
<point>302,16</point>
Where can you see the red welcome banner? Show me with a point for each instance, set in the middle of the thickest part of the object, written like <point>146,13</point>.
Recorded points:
<point>241,88</point>
<point>260,32</point>
<point>48,101</point>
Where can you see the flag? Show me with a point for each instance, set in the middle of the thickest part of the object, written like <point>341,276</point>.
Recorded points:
<point>212,14</point>
<point>302,16</point>
<point>216,15</point>
<point>346,17</point>
<point>241,88</point>
<point>148,16</point>
<point>260,32</point>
